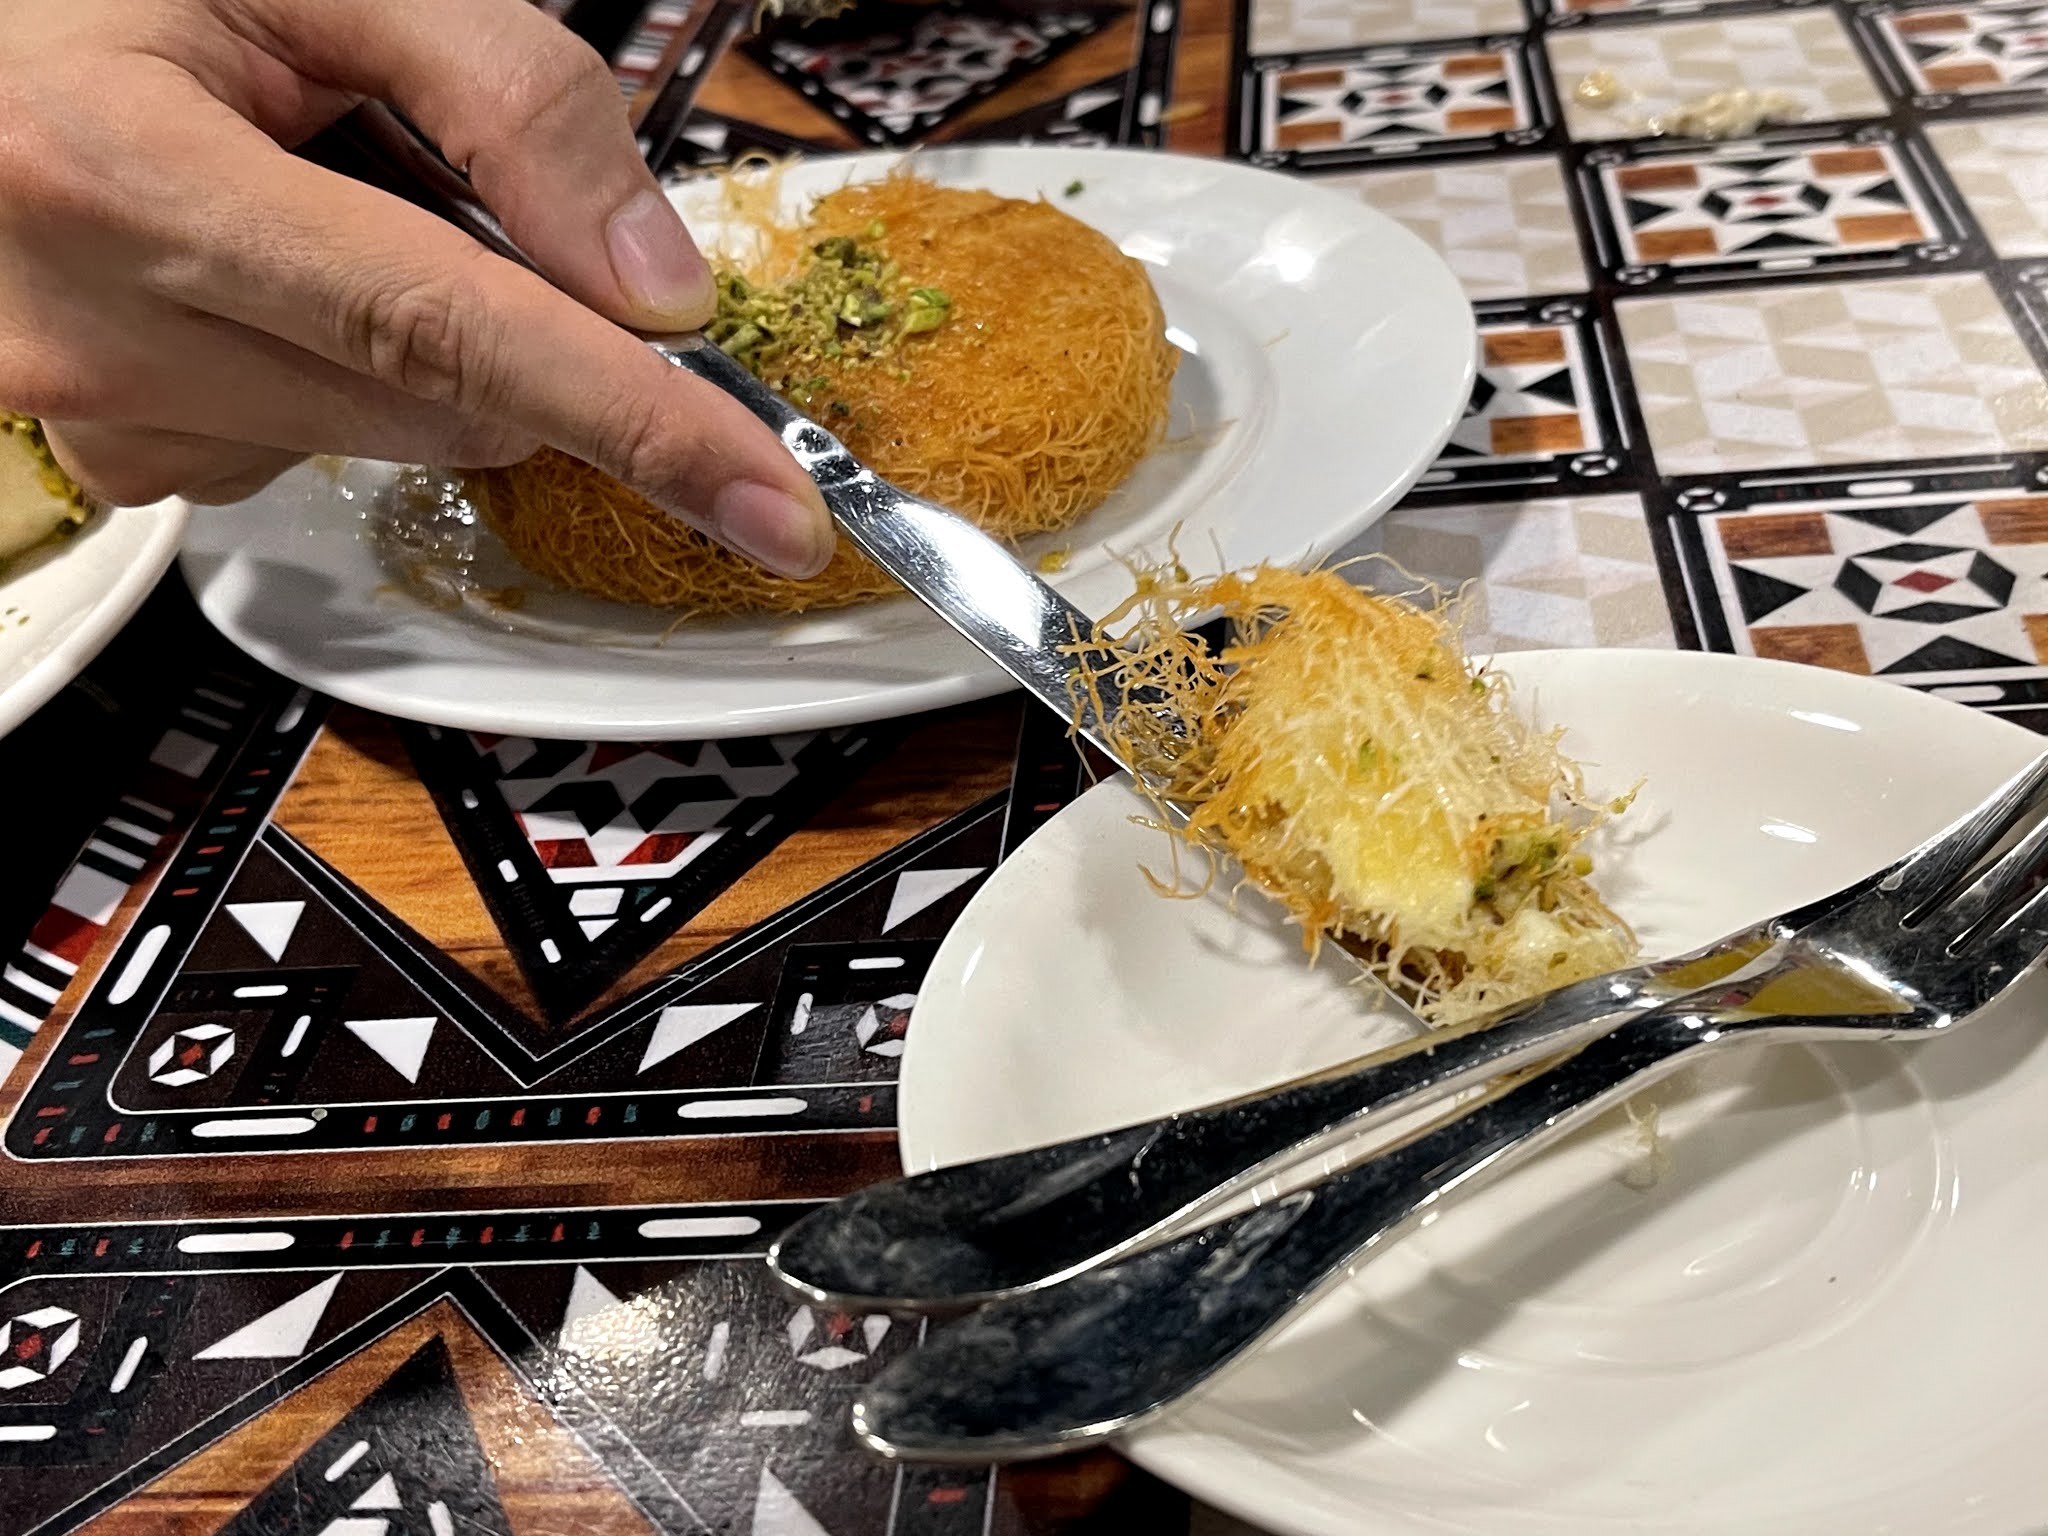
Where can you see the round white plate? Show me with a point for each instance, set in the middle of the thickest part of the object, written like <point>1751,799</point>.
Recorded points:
<point>59,605</point>
<point>1825,1316</point>
<point>1327,354</point>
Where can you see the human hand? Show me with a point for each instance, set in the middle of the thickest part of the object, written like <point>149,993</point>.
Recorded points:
<point>190,308</point>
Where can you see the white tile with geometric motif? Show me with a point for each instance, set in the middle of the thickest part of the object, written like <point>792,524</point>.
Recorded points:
<point>1925,586</point>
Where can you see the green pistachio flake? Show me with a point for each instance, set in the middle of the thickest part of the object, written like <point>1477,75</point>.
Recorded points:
<point>748,335</point>
<point>850,306</point>
<point>1075,187</point>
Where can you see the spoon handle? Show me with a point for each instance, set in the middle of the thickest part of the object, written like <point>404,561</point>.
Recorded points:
<point>963,575</point>
<point>1047,1372</point>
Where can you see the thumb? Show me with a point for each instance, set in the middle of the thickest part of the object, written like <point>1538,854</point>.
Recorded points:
<point>535,119</point>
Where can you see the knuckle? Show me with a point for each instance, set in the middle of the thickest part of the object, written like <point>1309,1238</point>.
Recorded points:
<point>559,75</point>
<point>630,443</point>
<point>555,81</point>
<point>433,338</point>
<point>57,173</point>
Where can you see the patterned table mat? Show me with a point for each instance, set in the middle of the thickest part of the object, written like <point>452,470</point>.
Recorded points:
<point>400,1115</point>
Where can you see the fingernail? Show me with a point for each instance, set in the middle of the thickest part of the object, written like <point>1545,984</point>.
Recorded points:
<point>791,537</point>
<point>656,263</point>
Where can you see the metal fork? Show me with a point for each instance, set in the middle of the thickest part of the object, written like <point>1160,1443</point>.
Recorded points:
<point>1910,951</point>
<point>983,1231</point>
<point>978,1232</point>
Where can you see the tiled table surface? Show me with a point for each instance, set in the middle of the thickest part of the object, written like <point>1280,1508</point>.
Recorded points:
<point>1783,397</point>
<point>1801,372</point>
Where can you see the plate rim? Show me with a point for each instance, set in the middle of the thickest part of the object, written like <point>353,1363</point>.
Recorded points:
<point>968,680</point>
<point>105,616</point>
<point>1189,1460</point>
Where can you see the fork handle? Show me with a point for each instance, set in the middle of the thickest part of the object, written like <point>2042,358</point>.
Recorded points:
<point>1046,1372</point>
<point>975,1232</point>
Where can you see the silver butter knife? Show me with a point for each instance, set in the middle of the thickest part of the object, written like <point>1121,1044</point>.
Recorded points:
<point>964,576</point>
<point>1002,1227</point>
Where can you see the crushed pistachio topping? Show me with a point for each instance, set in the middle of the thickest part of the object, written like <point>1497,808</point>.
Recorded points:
<point>27,431</point>
<point>850,306</point>
<point>1521,864</point>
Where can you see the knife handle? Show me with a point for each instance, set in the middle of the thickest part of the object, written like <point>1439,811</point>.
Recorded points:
<point>1046,1373</point>
<point>1001,1227</point>
<point>411,168</point>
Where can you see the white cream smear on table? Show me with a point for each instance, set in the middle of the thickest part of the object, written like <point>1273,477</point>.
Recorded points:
<point>1719,115</point>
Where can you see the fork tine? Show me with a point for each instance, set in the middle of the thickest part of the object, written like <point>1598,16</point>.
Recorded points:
<point>1933,869</point>
<point>2005,949</point>
<point>2003,882</point>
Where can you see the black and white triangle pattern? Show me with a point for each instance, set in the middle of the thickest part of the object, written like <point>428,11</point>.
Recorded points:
<point>893,72</point>
<point>589,854</point>
<point>405,1461</point>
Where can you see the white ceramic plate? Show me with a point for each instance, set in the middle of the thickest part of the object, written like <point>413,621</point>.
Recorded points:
<point>1824,1318</point>
<point>1327,355</point>
<point>59,605</point>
